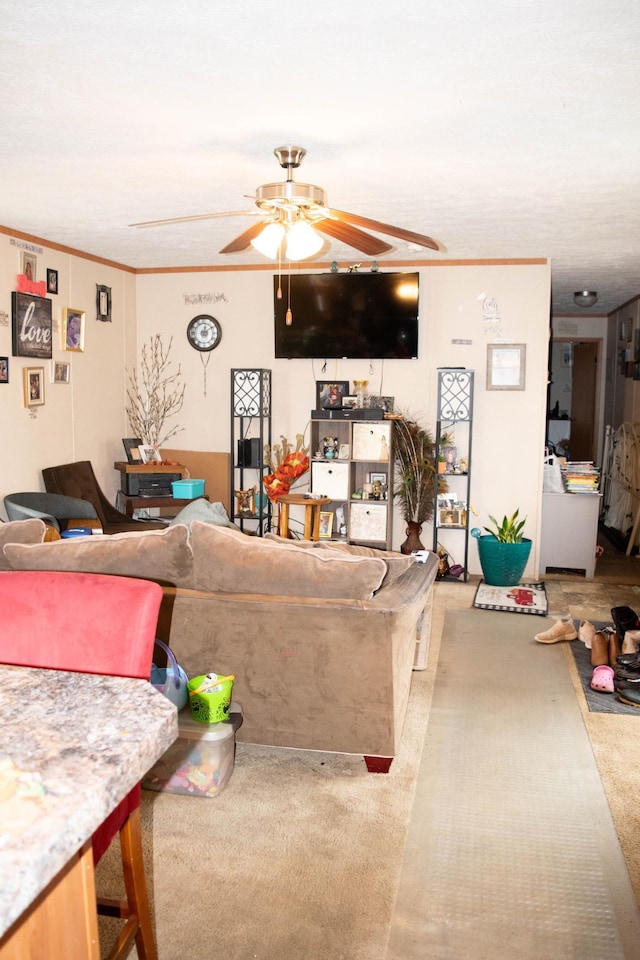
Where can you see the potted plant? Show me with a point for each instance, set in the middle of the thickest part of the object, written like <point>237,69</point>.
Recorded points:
<point>503,551</point>
<point>415,478</point>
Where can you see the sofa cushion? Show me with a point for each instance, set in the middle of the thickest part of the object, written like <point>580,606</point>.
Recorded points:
<point>396,563</point>
<point>20,531</point>
<point>163,555</point>
<point>228,561</point>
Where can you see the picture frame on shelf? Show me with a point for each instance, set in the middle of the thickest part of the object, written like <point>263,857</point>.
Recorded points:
<point>33,386</point>
<point>132,449</point>
<point>73,323</point>
<point>60,371</point>
<point>326,524</point>
<point>506,366</point>
<point>378,478</point>
<point>149,453</point>
<point>31,326</point>
<point>349,402</point>
<point>343,451</point>
<point>329,394</point>
<point>103,303</point>
<point>4,369</point>
<point>52,281</point>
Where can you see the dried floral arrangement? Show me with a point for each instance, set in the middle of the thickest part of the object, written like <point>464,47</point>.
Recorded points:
<point>414,469</point>
<point>155,395</point>
<point>287,465</point>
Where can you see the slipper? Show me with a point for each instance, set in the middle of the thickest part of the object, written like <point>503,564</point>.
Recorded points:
<point>602,679</point>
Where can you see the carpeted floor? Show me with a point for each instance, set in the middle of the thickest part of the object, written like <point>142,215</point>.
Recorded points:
<point>515,822</point>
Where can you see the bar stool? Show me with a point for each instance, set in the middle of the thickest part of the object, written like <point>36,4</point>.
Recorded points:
<point>312,508</point>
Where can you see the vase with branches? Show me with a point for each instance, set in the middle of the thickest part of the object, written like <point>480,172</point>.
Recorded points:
<point>415,477</point>
<point>155,394</point>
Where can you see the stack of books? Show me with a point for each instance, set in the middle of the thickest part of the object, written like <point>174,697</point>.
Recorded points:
<point>580,476</point>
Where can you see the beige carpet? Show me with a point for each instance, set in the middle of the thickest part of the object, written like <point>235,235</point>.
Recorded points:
<point>298,858</point>
<point>512,851</point>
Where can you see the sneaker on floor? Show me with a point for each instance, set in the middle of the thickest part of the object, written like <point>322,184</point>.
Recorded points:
<point>586,633</point>
<point>562,629</point>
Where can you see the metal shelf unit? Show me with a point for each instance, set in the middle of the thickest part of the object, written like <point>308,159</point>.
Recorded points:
<point>250,433</point>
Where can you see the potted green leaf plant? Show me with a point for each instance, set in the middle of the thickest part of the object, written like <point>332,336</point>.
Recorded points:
<point>503,550</point>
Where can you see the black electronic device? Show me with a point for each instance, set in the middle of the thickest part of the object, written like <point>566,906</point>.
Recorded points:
<point>148,484</point>
<point>359,316</point>
<point>249,452</point>
<point>348,413</point>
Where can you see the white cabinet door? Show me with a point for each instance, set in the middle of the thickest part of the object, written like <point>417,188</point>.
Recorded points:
<point>368,520</point>
<point>371,441</point>
<point>331,478</point>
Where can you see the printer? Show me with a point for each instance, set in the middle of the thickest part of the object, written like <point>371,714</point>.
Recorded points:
<point>148,484</point>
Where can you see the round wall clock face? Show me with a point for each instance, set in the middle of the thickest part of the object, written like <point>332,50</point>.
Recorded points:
<point>204,332</point>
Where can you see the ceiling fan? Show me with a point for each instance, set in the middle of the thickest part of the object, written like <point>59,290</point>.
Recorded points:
<point>295,219</point>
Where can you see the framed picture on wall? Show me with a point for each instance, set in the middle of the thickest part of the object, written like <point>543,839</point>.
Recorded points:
<point>103,303</point>
<point>4,369</point>
<point>73,329</point>
<point>52,281</point>
<point>31,326</point>
<point>506,366</point>
<point>33,386</point>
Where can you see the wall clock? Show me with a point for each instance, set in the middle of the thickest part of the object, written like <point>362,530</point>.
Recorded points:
<point>204,333</point>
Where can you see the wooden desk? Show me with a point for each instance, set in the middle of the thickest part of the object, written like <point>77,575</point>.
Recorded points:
<point>128,504</point>
<point>86,762</point>
<point>312,508</point>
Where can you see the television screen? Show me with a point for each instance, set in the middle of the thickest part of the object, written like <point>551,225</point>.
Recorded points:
<point>357,316</point>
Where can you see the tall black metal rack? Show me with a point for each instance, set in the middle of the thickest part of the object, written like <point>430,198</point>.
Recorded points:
<point>250,433</point>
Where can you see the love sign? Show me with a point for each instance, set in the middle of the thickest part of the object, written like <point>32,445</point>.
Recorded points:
<point>31,326</point>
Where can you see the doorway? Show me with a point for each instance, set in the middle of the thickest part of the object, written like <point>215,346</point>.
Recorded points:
<point>573,398</point>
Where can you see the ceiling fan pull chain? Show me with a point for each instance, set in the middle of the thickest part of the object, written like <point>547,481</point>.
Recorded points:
<point>288,316</point>
<point>205,363</point>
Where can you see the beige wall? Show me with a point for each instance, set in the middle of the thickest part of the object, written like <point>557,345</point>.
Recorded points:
<point>86,419</point>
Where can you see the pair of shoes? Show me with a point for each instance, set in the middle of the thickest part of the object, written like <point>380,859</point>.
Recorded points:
<point>562,629</point>
<point>605,648</point>
<point>628,693</point>
<point>602,679</point>
<point>586,633</point>
<point>625,620</point>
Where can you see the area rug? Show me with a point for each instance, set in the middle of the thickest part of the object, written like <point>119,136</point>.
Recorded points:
<point>512,850</point>
<point>597,702</point>
<point>297,859</point>
<point>524,598</point>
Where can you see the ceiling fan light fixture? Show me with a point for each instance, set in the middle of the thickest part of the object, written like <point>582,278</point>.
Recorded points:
<point>302,241</point>
<point>585,298</point>
<point>268,240</point>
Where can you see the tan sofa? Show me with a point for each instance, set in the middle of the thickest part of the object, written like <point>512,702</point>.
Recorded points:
<point>322,640</point>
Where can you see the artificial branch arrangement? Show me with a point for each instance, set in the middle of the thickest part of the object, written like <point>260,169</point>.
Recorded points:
<point>414,469</point>
<point>156,395</point>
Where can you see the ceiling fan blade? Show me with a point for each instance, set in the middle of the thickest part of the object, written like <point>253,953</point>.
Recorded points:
<point>244,239</point>
<point>385,228</point>
<point>352,236</point>
<point>197,216</point>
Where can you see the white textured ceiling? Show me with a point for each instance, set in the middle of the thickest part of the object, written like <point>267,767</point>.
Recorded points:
<point>502,129</point>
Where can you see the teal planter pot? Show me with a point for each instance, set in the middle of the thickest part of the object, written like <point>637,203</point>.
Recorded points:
<point>502,563</point>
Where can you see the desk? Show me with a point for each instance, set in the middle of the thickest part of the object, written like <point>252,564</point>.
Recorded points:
<point>89,740</point>
<point>128,504</point>
<point>312,508</point>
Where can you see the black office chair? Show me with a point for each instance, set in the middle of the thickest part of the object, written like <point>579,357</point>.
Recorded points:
<point>54,508</point>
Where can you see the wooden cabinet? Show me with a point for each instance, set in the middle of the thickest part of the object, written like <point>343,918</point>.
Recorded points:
<point>352,463</point>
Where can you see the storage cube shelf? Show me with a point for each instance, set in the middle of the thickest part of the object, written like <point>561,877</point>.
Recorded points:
<point>358,480</point>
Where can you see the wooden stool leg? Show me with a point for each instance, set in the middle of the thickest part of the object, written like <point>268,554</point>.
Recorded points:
<point>309,514</point>
<point>316,521</point>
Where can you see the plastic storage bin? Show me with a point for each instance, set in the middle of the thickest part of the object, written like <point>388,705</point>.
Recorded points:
<point>201,761</point>
<point>187,489</point>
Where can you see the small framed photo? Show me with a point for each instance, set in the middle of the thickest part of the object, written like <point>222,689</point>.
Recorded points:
<point>4,369</point>
<point>149,454</point>
<point>52,281</point>
<point>60,371</point>
<point>103,303</point>
<point>329,395</point>
<point>326,524</point>
<point>73,329</point>
<point>349,403</point>
<point>343,451</point>
<point>506,366</point>
<point>132,449</point>
<point>29,264</point>
<point>378,478</point>
<point>33,384</point>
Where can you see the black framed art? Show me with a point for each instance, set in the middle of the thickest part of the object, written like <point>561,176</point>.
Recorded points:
<point>31,326</point>
<point>131,445</point>
<point>103,303</point>
<point>52,281</point>
<point>329,394</point>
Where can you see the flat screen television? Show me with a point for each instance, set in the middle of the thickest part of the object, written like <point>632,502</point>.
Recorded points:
<point>357,316</point>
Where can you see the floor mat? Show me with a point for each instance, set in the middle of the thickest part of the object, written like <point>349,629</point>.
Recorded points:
<point>597,702</point>
<point>523,598</point>
<point>511,811</point>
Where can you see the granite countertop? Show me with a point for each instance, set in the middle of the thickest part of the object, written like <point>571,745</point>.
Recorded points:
<point>72,745</point>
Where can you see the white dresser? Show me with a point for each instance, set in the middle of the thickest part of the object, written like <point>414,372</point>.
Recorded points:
<point>569,531</point>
